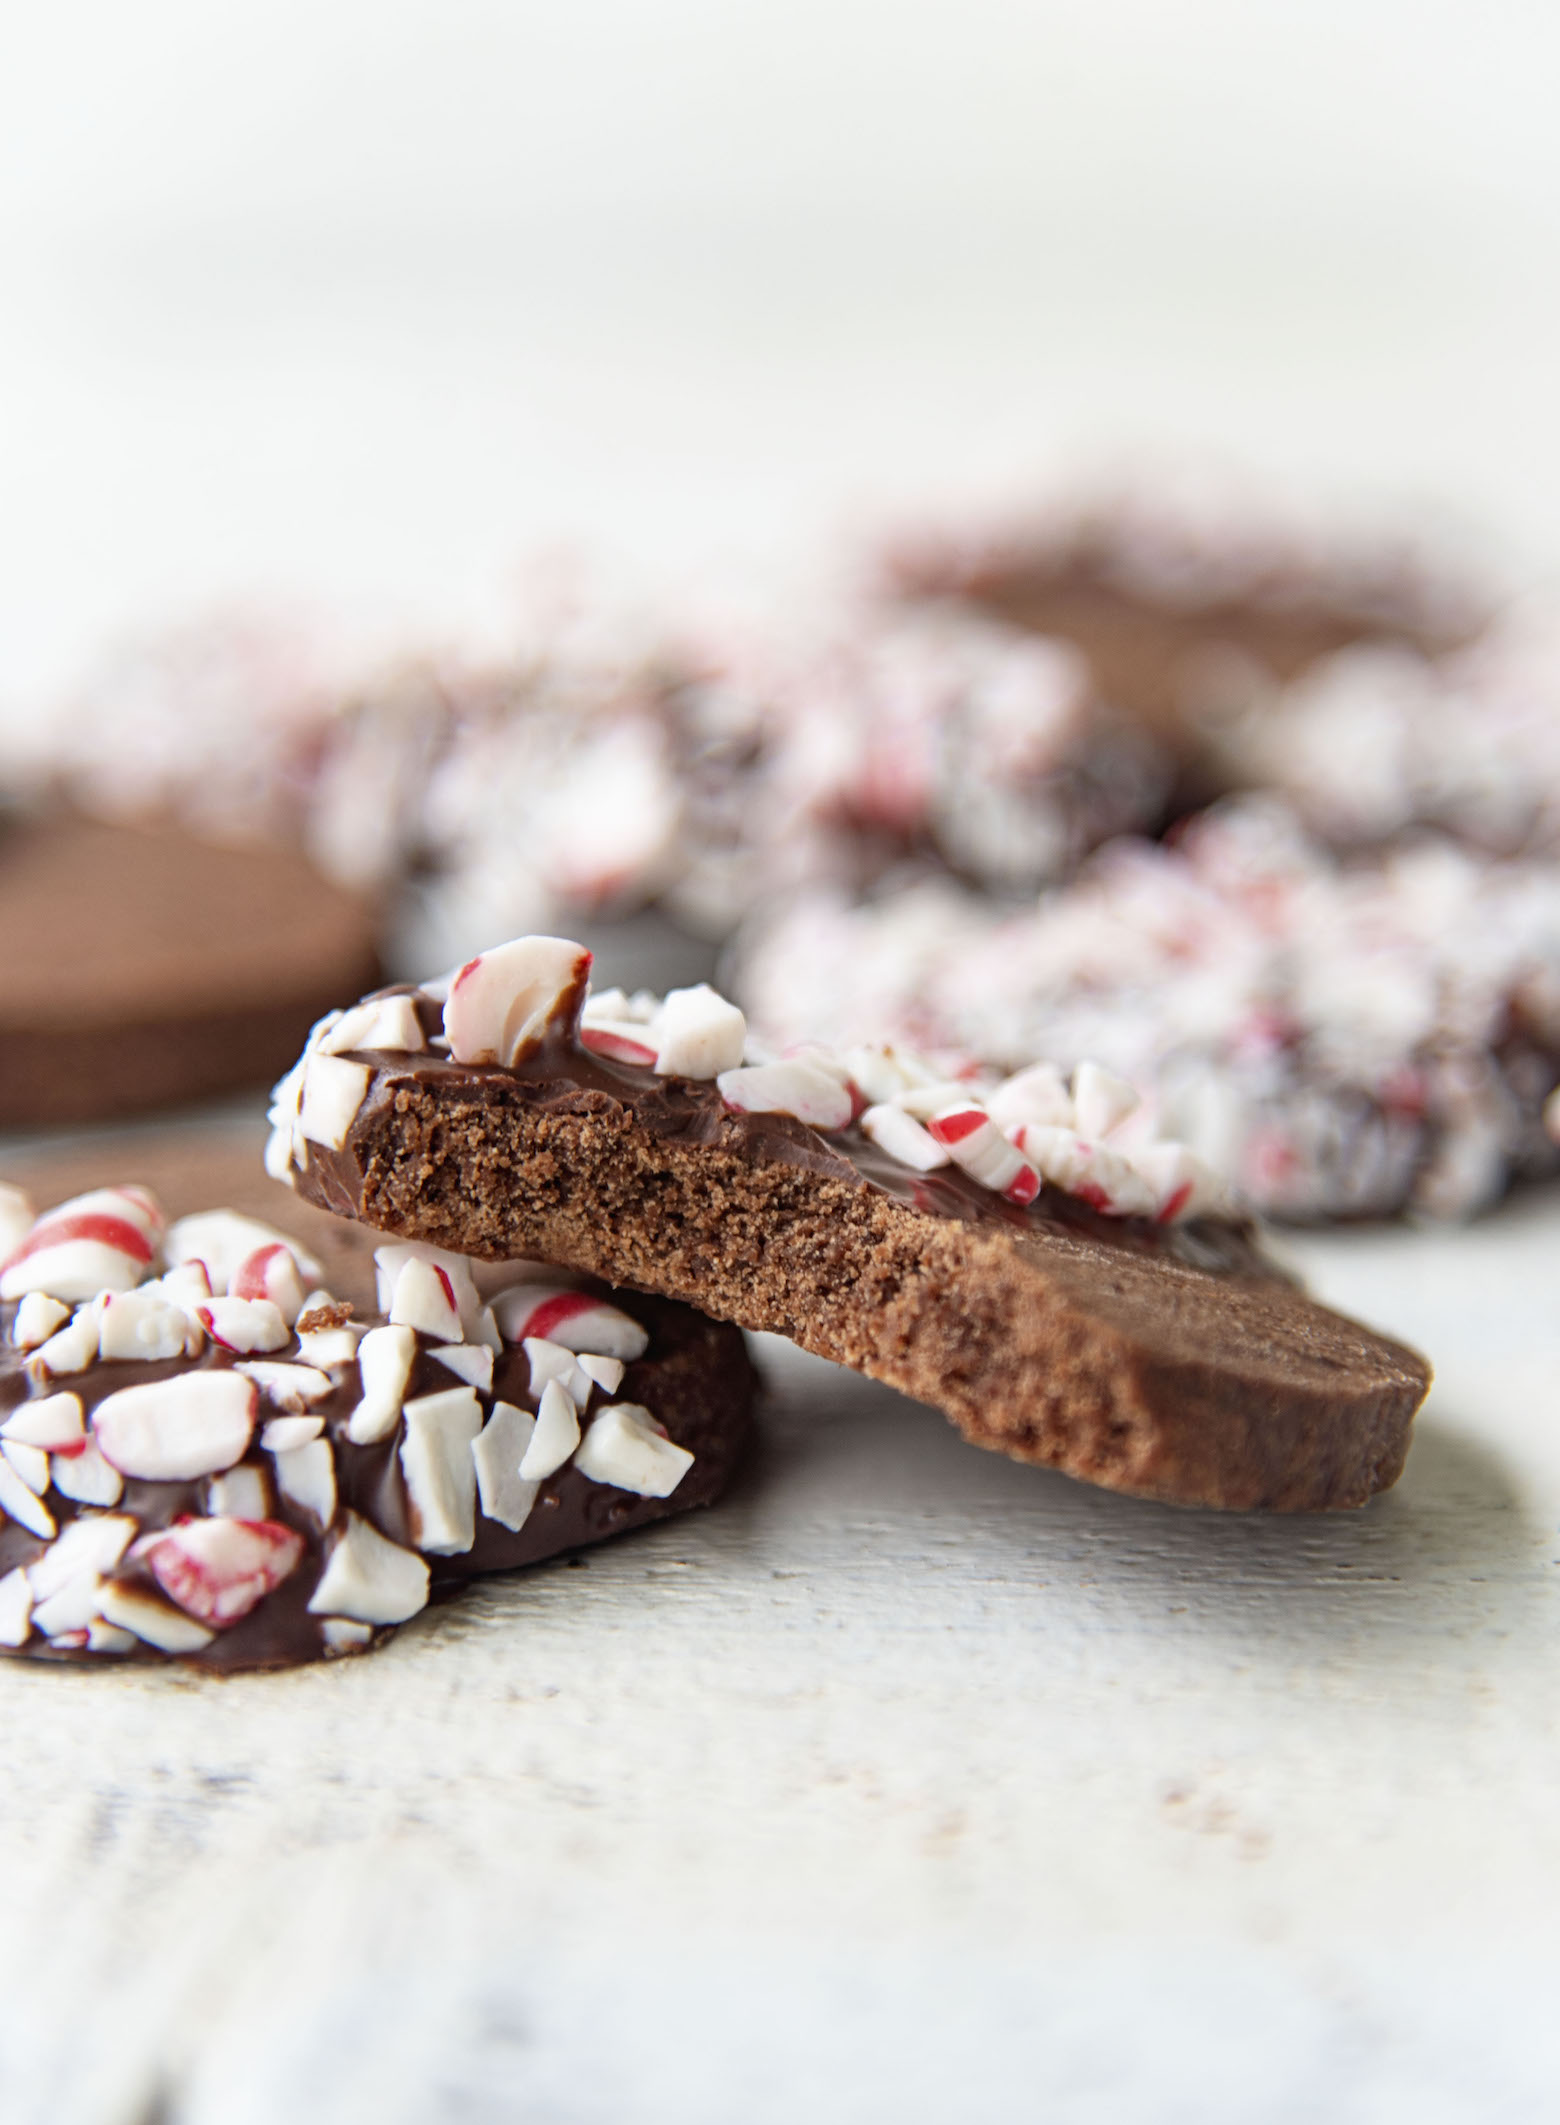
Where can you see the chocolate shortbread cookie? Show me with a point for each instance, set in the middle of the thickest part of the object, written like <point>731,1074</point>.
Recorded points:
<point>1020,1254</point>
<point>202,1457</point>
<point>142,966</point>
<point>1148,581</point>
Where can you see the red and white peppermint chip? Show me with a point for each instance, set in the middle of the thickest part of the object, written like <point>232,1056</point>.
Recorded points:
<point>244,1325</point>
<point>1092,1172</point>
<point>619,1041</point>
<point>973,1140</point>
<point>501,1004</point>
<point>217,1570</point>
<point>271,1272</point>
<point>222,1241</point>
<point>424,1298</point>
<point>557,1313</point>
<point>104,1241</point>
<point>145,1324</point>
<point>50,1421</point>
<point>169,1431</point>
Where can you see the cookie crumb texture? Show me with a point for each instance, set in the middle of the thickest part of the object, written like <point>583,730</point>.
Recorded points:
<point>1137,1370</point>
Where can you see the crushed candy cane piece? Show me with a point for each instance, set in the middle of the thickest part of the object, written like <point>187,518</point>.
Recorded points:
<point>627,1448</point>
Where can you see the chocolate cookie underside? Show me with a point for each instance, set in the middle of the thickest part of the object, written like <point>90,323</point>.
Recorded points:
<point>1082,1343</point>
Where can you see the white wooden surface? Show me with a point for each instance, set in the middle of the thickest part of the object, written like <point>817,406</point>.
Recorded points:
<point>910,1784</point>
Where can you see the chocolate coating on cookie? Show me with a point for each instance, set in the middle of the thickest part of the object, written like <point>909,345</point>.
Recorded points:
<point>293,1491</point>
<point>1167,1359</point>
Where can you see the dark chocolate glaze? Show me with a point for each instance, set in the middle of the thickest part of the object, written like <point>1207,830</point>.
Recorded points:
<point>695,1378</point>
<point>560,1076</point>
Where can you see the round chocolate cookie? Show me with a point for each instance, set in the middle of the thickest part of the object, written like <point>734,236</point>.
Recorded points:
<point>141,966</point>
<point>1024,1254</point>
<point>1159,586</point>
<point>206,1454</point>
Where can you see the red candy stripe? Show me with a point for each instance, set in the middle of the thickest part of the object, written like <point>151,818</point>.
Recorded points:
<point>553,1312</point>
<point>617,1047</point>
<point>115,1232</point>
<point>954,1128</point>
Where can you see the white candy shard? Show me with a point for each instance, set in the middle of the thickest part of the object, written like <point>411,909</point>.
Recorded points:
<point>170,1431</point>
<point>342,1635</point>
<point>556,1313</point>
<point>701,1034</point>
<point>243,1324</point>
<point>924,1100</point>
<point>626,1447</point>
<point>796,1087</point>
<point>606,1372</point>
<point>51,1421</point>
<point>239,1494</point>
<point>31,1463</point>
<point>387,1022</point>
<point>102,1241</point>
<point>135,1610</point>
<point>328,1347</point>
<point>975,1142</point>
<point>37,1317</point>
<point>497,1453</point>
<point>390,1261</point>
<point>424,1298</point>
<point>223,1240</point>
<point>81,1473</point>
<point>483,1329</point>
<point>1181,1183</point>
<point>145,1324</point>
<point>287,1386</point>
<point>441,1478</point>
<point>471,1362</point>
<point>1100,1100</point>
<point>901,1136</point>
<point>23,1506</point>
<point>187,1286</point>
<point>282,1435</point>
<point>501,1004</point>
<point>286,1147</point>
<point>306,1476</point>
<point>107,1637</point>
<point>217,1570</point>
<point>1037,1094</point>
<point>271,1272</point>
<point>15,1608</point>
<point>1092,1172</point>
<point>333,1090</point>
<point>385,1360</point>
<point>369,1578</point>
<point>556,1436</point>
<point>551,1361</point>
<point>17,1217</point>
<point>70,1349</point>
<point>880,1073</point>
<point>89,1546</point>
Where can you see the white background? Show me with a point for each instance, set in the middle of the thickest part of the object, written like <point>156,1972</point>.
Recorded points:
<point>346,301</point>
